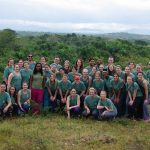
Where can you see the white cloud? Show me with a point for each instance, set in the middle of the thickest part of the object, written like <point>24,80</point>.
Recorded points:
<point>101,15</point>
<point>74,27</point>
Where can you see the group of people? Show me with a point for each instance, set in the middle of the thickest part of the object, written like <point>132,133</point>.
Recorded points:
<point>102,91</point>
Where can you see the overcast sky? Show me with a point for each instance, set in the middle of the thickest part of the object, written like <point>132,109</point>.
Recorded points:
<point>88,16</point>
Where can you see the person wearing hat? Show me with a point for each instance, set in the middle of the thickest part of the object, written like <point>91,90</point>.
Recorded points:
<point>90,104</point>
<point>80,89</point>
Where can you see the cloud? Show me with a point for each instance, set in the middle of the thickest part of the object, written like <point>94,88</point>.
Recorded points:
<point>73,27</point>
<point>83,15</point>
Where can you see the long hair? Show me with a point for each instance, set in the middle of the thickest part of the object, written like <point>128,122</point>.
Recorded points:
<point>35,71</point>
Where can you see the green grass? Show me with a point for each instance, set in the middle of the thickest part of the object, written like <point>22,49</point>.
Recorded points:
<point>56,132</point>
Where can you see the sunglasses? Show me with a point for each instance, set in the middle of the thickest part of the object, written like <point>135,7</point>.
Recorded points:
<point>30,56</point>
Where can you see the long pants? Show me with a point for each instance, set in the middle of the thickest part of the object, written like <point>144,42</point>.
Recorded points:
<point>136,110</point>
<point>107,115</point>
<point>75,111</point>
<point>146,115</point>
<point>93,112</point>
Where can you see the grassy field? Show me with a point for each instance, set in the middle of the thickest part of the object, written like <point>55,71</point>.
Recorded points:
<point>55,132</point>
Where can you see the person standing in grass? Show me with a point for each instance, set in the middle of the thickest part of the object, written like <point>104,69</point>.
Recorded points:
<point>15,79</point>
<point>90,104</point>
<point>87,80</point>
<point>37,83</point>
<point>145,88</point>
<point>24,97</point>
<point>5,101</point>
<point>106,108</point>
<point>50,99</point>
<point>26,73</point>
<point>64,89</point>
<point>73,104</point>
<point>117,85</point>
<point>8,70</point>
<point>98,83</point>
<point>135,103</point>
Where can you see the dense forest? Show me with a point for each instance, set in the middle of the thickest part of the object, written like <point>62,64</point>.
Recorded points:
<point>71,47</point>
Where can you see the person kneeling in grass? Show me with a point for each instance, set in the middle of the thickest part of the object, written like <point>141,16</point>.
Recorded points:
<point>73,104</point>
<point>106,108</point>
<point>5,102</point>
<point>24,96</point>
<point>90,104</point>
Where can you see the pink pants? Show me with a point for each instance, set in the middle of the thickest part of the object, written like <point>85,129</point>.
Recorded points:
<point>37,95</point>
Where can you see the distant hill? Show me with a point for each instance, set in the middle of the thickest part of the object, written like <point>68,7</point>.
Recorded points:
<point>126,36</point>
<point>120,35</point>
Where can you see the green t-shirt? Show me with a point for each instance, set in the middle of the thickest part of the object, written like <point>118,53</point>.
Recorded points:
<point>148,75</point>
<point>64,86</point>
<point>98,85</point>
<point>86,82</point>
<point>52,85</point>
<point>89,68</point>
<point>122,75</point>
<point>47,74</point>
<point>91,102</point>
<point>71,76</point>
<point>107,85</point>
<point>78,87</point>
<point>134,87</point>
<point>108,103</point>
<point>16,81</point>
<point>117,85</point>
<point>4,98</point>
<point>73,101</point>
<point>26,74</point>
<point>37,80</point>
<point>24,96</point>
<point>8,71</point>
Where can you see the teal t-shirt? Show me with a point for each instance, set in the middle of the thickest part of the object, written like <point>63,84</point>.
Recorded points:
<point>71,76</point>
<point>134,87</point>
<point>98,85</point>
<point>148,75</point>
<point>117,85</point>
<point>64,86</point>
<point>4,98</point>
<point>26,74</point>
<point>107,85</point>
<point>16,81</point>
<point>52,85</point>
<point>91,102</point>
<point>78,87</point>
<point>108,103</point>
<point>73,100</point>
<point>8,71</point>
<point>47,74</point>
<point>86,82</point>
<point>24,96</point>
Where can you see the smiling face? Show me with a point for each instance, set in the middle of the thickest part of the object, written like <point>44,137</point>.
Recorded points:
<point>2,88</point>
<point>92,92</point>
<point>73,92</point>
<point>116,78</point>
<point>12,90</point>
<point>129,80</point>
<point>25,86</point>
<point>10,62</point>
<point>17,68</point>
<point>140,76</point>
<point>103,95</point>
